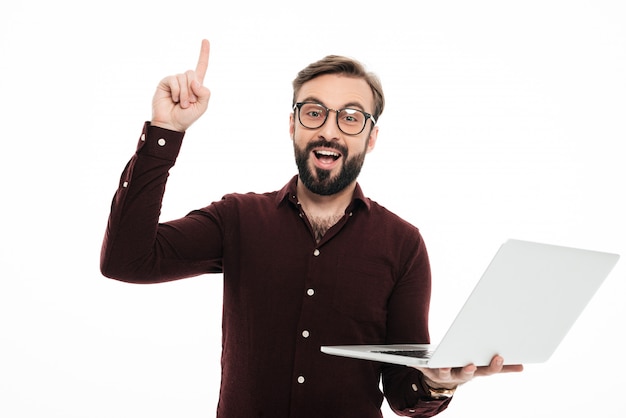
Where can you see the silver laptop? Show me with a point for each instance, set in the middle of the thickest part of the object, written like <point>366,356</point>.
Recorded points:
<point>522,307</point>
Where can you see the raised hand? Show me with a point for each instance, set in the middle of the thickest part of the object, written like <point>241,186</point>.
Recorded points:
<point>181,99</point>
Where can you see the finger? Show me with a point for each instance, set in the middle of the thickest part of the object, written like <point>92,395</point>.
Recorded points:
<point>203,61</point>
<point>463,374</point>
<point>496,364</point>
<point>172,84</point>
<point>444,374</point>
<point>469,370</point>
<point>202,93</point>
<point>190,78</point>
<point>183,95</point>
<point>513,368</point>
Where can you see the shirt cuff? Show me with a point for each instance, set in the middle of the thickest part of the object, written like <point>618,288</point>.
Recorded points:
<point>421,401</point>
<point>421,389</point>
<point>159,142</point>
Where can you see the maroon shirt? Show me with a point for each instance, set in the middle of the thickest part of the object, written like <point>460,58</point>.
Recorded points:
<point>285,295</point>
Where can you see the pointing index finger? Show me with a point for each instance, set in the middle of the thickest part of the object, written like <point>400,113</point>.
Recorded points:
<point>203,61</point>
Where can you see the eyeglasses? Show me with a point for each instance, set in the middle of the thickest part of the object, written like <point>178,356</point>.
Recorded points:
<point>350,121</point>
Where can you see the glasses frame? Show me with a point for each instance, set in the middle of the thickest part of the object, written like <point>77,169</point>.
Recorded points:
<point>298,107</point>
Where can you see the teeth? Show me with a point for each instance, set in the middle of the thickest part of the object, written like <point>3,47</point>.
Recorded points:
<point>328,153</point>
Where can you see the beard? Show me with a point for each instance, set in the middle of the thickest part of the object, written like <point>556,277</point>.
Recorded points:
<point>320,181</point>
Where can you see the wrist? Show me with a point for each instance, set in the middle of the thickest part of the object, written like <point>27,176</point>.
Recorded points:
<point>164,125</point>
<point>437,390</point>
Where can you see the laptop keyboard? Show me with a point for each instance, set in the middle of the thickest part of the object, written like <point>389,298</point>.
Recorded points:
<point>409,353</point>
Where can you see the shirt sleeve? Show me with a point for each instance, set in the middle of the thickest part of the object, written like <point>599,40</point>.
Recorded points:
<point>136,247</point>
<point>407,395</point>
<point>407,322</point>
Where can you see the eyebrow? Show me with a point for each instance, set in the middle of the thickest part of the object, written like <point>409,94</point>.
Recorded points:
<point>350,105</point>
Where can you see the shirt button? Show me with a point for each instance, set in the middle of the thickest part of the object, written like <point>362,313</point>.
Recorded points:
<point>414,387</point>
<point>125,184</point>
<point>161,142</point>
<point>310,292</point>
<point>300,379</point>
<point>143,137</point>
<point>306,334</point>
<point>316,252</point>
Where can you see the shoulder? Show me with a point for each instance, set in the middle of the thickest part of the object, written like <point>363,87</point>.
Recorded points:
<point>251,199</point>
<point>378,214</point>
<point>270,199</point>
<point>247,202</point>
<point>383,216</point>
<point>392,230</point>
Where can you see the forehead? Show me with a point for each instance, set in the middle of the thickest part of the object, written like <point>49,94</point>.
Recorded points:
<point>337,90</point>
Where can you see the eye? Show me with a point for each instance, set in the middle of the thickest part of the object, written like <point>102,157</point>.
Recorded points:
<point>313,111</point>
<point>352,116</point>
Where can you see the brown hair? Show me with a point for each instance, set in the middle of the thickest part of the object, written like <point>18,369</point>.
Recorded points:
<point>335,64</point>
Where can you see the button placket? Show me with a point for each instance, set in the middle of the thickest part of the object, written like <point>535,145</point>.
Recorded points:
<point>306,333</point>
<point>310,292</point>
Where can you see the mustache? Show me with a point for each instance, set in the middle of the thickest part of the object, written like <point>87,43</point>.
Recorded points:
<point>322,143</point>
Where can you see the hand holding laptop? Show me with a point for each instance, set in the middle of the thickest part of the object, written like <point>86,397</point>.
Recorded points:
<point>451,378</point>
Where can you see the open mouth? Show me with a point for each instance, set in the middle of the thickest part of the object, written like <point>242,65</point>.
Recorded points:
<point>326,156</point>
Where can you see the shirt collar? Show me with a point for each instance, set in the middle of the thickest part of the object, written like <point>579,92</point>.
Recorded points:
<point>288,193</point>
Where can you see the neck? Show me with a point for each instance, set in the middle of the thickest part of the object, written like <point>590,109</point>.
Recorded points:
<point>319,205</point>
<point>324,211</point>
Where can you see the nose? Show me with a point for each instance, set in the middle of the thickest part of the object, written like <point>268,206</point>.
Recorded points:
<point>330,129</point>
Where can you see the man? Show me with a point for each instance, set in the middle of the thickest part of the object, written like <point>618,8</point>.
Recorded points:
<point>315,263</point>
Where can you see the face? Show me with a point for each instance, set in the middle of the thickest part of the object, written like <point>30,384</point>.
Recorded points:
<point>329,160</point>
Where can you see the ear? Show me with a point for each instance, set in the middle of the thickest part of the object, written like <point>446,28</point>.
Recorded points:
<point>292,125</point>
<point>372,140</point>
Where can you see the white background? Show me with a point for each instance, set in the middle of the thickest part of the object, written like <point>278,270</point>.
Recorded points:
<point>504,119</point>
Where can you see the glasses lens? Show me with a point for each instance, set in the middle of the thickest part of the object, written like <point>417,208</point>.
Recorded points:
<point>351,121</point>
<point>312,115</point>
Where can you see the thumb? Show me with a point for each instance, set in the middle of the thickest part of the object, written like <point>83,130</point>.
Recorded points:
<point>201,92</point>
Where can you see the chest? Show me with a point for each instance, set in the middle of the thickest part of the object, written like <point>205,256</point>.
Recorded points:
<point>278,264</point>
<point>322,223</point>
